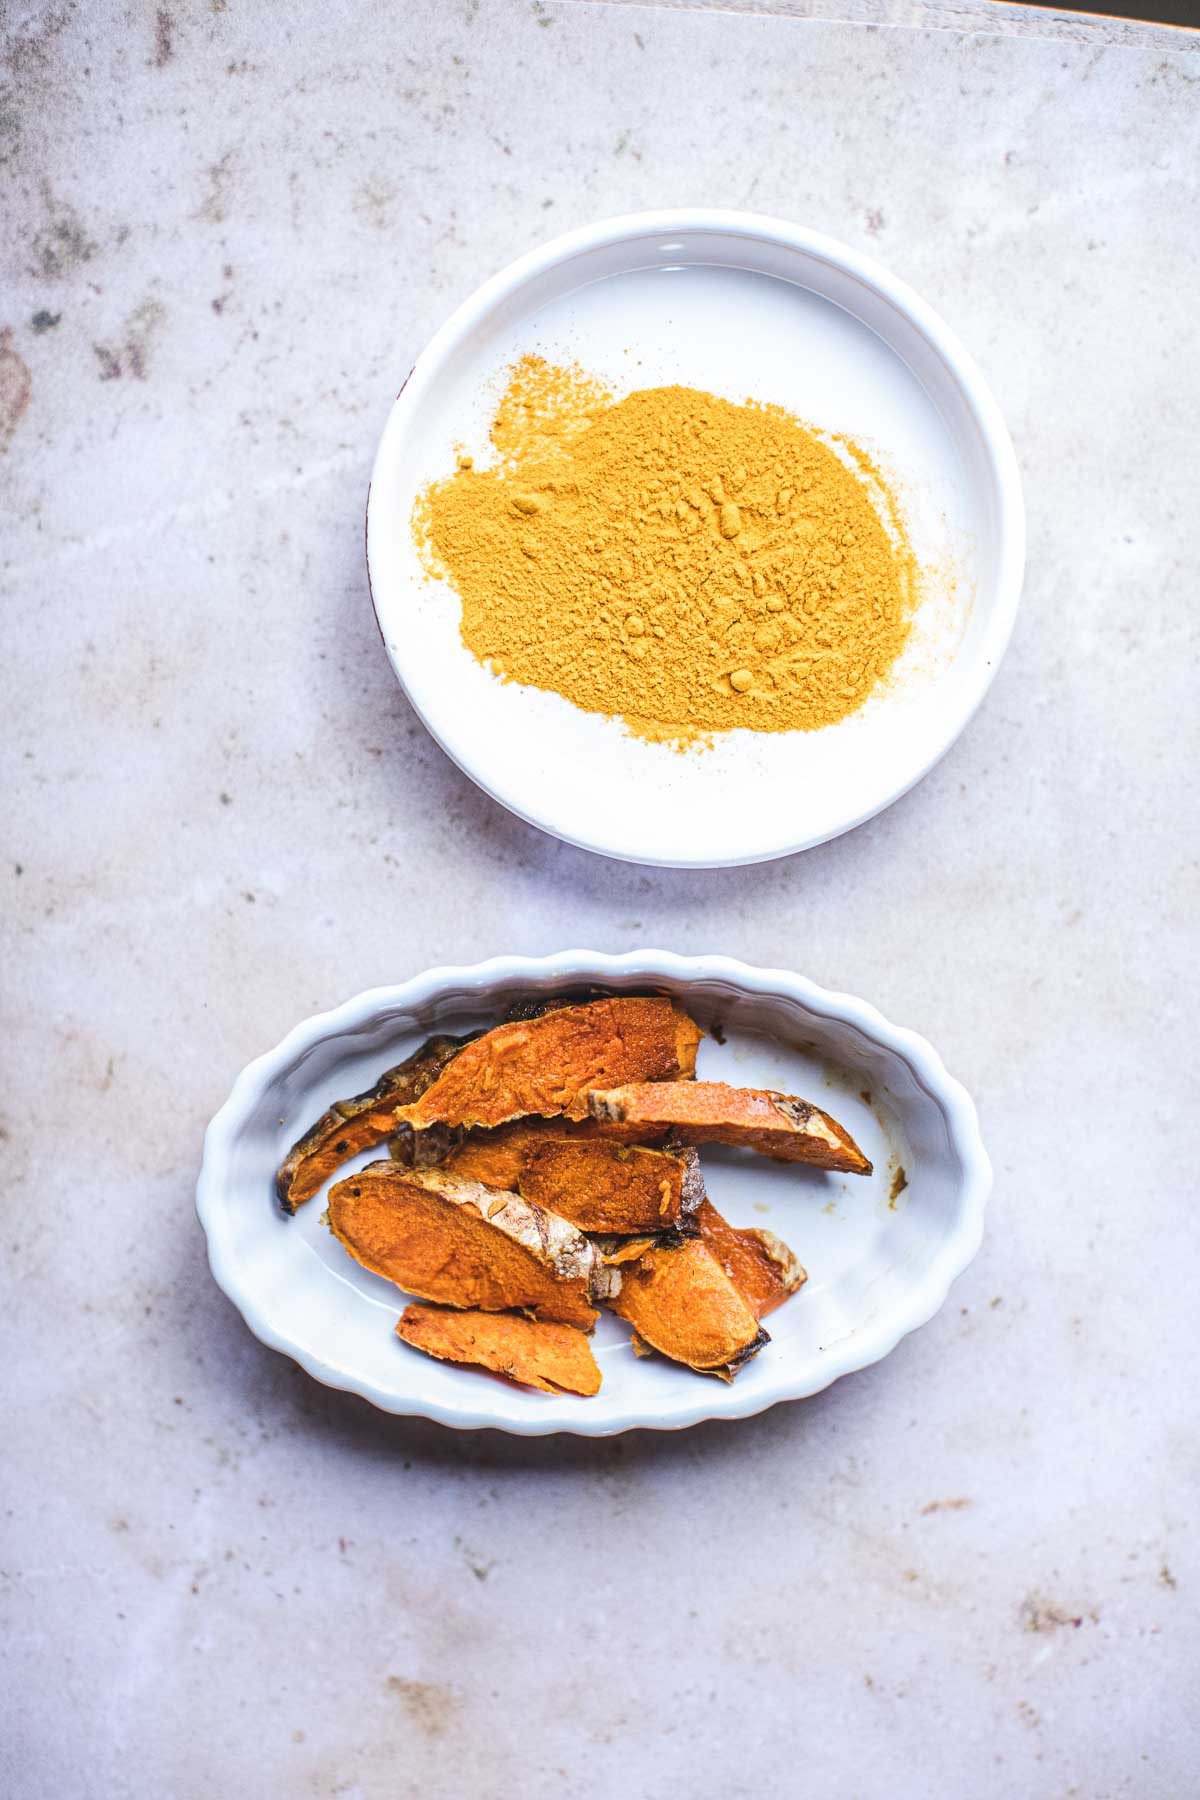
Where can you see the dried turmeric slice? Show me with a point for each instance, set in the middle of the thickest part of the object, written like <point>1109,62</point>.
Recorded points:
<point>616,1188</point>
<point>681,1302</point>
<point>709,1112</point>
<point>555,1358</point>
<point>760,1265</point>
<point>546,1066</point>
<point>358,1124</point>
<point>447,1239</point>
<point>494,1158</point>
<point>497,1157</point>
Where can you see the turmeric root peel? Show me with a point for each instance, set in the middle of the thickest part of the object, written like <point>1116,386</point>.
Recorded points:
<point>360,1123</point>
<point>555,1358</point>
<point>709,1112</point>
<point>447,1239</point>
<point>547,1066</point>
<point>615,1250</point>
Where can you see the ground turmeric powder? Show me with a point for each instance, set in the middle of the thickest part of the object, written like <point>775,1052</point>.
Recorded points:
<point>685,563</point>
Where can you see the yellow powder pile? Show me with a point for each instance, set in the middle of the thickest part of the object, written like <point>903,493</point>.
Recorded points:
<point>676,560</point>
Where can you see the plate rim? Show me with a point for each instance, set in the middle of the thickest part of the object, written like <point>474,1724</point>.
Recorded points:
<point>945,344</point>
<point>925,1300</point>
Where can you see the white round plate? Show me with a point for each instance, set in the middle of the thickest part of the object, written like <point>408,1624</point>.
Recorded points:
<point>879,1264</point>
<point>746,307</point>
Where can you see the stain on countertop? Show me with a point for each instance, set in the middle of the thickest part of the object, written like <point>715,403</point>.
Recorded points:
<point>430,1705</point>
<point>16,386</point>
<point>129,353</point>
<point>60,242</point>
<point>164,38</point>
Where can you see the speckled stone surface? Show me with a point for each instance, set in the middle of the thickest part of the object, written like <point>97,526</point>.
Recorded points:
<point>970,1570</point>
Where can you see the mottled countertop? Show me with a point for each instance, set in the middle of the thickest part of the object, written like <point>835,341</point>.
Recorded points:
<point>972,1569</point>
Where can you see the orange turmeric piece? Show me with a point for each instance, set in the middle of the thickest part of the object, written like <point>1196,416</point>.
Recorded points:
<point>497,1158</point>
<point>360,1123</point>
<point>709,1112</point>
<point>453,1241</point>
<point>555,1358</point>
<point>760,1265</point>
<point>548,1065</point>
<point>681,1302</point>
<point>613,1188</point>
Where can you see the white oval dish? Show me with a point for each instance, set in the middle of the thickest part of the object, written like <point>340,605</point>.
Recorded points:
<point>878,1265</point>
<point>743,306</point>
